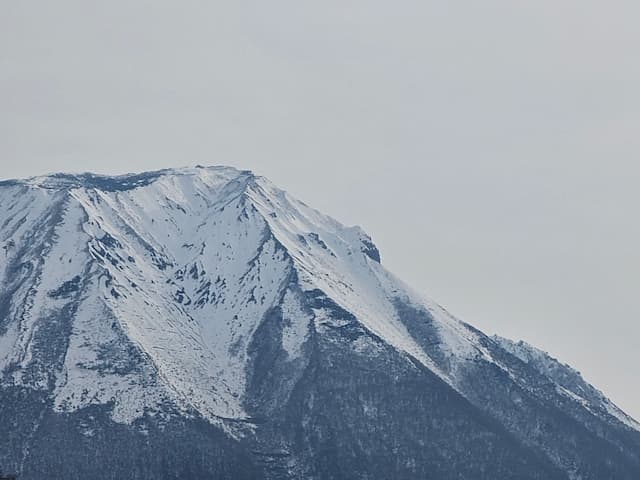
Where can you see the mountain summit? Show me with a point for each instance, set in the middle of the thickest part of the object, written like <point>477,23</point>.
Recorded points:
<point>202,323</point>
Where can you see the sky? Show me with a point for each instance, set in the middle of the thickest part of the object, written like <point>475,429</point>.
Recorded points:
<point>490,148</point>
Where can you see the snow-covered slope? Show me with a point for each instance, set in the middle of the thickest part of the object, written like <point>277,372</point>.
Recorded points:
<point>150,295</point>
<point>184,264</point>
<point>568,381</point>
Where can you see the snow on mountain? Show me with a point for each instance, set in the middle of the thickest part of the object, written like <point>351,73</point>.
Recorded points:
<point>186,263</point>
<point>569,381</point>
<point>204,323</point>
<point>167,276</point>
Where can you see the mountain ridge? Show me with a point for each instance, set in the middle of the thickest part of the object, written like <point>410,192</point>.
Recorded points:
<point>208,295</point>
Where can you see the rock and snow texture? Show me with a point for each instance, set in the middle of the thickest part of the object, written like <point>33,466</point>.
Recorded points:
<point>148,293</point>
<point>182,265</point>
<point>568,381</point>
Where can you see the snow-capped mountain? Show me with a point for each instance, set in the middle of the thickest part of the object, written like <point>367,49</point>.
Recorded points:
<point>215,327</point>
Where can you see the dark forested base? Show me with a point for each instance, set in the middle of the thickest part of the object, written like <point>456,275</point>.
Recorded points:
<point>373,414</point>
<point>38,443</point>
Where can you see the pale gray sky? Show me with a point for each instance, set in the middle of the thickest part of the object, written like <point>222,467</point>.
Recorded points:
<point>491,148</point>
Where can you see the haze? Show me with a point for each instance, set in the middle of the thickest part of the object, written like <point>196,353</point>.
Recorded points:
<point>490,148</point>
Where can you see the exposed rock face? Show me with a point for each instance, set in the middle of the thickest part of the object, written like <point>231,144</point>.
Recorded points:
<point>201,323</point>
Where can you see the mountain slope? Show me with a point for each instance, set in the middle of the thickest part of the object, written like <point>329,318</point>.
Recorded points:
<point>208,304</point>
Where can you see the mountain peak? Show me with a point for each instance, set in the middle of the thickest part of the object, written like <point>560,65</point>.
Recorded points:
<point>209,295</point>
<point>189,243</point>
<point>125,182</point>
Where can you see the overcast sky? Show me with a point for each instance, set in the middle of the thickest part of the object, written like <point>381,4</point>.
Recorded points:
<point>490,148</point>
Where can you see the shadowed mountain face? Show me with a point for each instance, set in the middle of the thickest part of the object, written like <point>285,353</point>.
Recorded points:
<point>201,323</point>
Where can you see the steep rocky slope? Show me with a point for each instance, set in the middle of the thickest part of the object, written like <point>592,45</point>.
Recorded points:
<point>202,323</point>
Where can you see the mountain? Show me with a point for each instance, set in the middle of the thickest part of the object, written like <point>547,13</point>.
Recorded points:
<point>201,323</point>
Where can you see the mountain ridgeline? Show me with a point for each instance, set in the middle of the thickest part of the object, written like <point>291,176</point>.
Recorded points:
<point>201,323</point>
